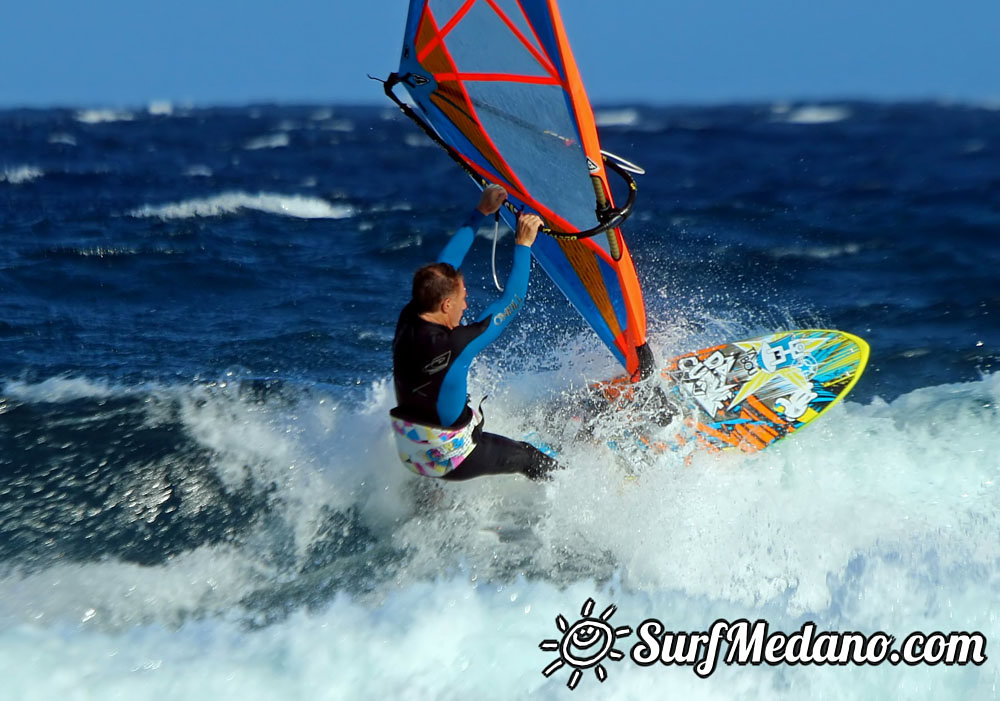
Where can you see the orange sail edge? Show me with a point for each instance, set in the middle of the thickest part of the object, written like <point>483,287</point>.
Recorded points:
<point>638,356</point>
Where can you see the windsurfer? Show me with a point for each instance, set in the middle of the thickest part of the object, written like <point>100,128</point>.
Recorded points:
<point>437,433</point>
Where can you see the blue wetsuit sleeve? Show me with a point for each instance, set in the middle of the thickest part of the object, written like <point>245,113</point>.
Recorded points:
<point>474,337</point>
<point>454,251</point>
<point>503,309</point>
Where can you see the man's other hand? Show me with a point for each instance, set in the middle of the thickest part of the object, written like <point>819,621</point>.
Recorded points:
<point>492,199</point>
<point>527,228</point>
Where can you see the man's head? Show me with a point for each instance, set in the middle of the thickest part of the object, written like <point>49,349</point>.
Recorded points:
<point>439,292</point>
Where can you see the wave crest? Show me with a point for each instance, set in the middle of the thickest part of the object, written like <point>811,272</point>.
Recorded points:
<point>103,116</point>
<point>818,114</point>
<point>232,202</point>
<point>20,174</point>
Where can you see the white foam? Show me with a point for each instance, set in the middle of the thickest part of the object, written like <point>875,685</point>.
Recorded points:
<point>273,446</point>
<point>453,638</point>
<point>345,126</point>
<point>108,251</point>
<point>64,388</point>
<point>973,146</point>
<point>881,516</point>
<point>160,108</point>
<point>616,118</point>
<point>889,476</point>
<point>19,175</point>
<point>818,114</point>
<point>232,202</point>
<point>279,140</point>
<point>253,445</point>
<point>198,171</point>
<point>103,116</point>
<point>114,595</point>
<point>417,141</point>
<point>818,252</point>
<point>62,138</point>
<point>400,206</point>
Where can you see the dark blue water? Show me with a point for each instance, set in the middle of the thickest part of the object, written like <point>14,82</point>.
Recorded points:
<point>197,308</point>
<point>882,222</point>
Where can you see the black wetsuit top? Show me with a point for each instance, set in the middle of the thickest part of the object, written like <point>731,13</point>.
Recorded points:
<point>430,362</point>
<point>431,367</point>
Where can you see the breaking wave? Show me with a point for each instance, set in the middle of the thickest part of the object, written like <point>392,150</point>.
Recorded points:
<point>233,202</point>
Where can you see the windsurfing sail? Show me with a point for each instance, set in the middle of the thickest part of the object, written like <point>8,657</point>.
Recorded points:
<point>495,83</point>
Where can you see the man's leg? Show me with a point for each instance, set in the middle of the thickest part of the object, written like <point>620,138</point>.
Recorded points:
<point>498,455</point>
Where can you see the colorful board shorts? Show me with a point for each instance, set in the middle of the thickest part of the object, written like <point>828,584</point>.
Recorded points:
<point>434,451</point>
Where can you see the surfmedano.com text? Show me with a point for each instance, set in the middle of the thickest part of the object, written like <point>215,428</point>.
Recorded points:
<point>751,644</point>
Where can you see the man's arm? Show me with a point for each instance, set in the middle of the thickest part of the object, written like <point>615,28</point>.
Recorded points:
<point>459,245</point>
<point>516,289</point>
<point>473,338</point>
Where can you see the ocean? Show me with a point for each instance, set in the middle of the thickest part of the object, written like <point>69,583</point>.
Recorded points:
<point>199,493</point>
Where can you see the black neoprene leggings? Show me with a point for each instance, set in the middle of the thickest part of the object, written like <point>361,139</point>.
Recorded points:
<point>498,455</point>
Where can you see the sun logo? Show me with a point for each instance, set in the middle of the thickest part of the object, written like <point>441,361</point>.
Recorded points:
<point>585,644</point>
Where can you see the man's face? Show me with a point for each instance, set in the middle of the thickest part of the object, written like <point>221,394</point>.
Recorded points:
<point>455,305</point>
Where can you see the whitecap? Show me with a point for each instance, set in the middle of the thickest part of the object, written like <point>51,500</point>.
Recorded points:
<point>341,125</point>
<point>161,108</point>
<point>232,202</point>
<point>818,114</point>
<point>102,116</point>
<point>417,141</point>
<point>20,174</point>
<point>402,244</point>
<point>268,141</point>
<point>105,252</point>
<point>973,146</point>
<point>198,171</point>
<point>60,389</point>
<point>818,252</point>
<point>62,138</point>
<point>395,207</point>
<point>616,118</point>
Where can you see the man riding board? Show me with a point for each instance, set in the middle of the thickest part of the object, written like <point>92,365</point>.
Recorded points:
<point>437,433</point>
